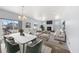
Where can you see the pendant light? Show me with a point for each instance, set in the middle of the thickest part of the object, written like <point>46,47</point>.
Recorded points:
<point>22,17</point>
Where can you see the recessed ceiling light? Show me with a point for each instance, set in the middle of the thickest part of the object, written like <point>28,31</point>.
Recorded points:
<point>57,17</point>
<point>43,18</point>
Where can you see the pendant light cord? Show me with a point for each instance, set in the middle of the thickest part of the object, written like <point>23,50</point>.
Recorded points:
<point>22,10</point>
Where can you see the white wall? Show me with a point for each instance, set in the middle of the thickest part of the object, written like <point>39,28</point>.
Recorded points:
<point>39,22</point>
<point>32,21</point>
<point>71,15</point>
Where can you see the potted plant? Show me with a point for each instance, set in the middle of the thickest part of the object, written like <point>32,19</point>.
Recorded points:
<point>42,27</point>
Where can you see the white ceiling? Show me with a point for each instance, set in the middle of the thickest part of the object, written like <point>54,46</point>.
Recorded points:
<point>37,12</point>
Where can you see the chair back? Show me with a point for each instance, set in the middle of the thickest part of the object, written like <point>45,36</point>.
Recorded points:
<point>34,47</point>
<point>11,46</point>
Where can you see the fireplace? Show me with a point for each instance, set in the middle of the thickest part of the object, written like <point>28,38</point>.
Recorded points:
<point>49,29</point>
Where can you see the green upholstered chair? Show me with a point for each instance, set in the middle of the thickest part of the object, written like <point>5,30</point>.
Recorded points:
<point>11,47</point>
<point>34,47</point>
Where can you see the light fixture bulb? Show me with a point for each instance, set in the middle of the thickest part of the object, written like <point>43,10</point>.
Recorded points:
<point>22,17</point>
<point>19,17</point>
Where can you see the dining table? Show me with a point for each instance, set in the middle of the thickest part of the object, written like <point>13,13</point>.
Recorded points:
<point>22,40</point>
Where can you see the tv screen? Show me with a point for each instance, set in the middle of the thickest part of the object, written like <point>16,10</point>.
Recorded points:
<point>49,22</point>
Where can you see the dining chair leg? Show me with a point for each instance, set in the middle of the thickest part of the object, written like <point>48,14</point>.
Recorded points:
<point>23,48</point>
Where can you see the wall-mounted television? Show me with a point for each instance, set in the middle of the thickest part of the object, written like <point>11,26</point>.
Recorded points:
<point>49,22</point>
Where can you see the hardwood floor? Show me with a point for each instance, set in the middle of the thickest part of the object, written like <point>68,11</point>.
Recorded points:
<point>55,46</point>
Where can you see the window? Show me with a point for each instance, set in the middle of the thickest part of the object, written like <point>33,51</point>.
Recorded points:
<point>10,26</point>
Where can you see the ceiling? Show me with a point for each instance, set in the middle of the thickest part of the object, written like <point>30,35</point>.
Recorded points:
<point>37,12</point>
